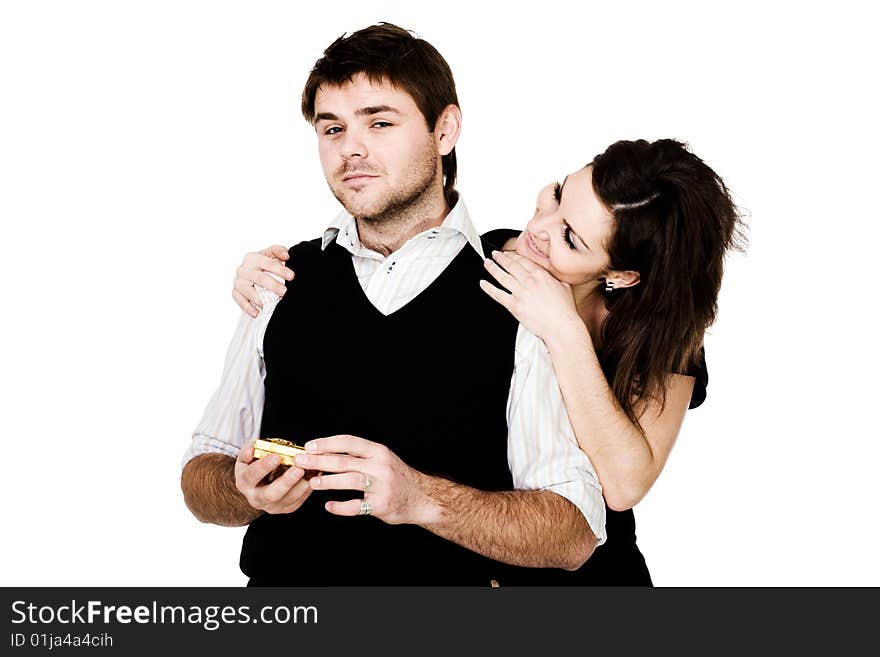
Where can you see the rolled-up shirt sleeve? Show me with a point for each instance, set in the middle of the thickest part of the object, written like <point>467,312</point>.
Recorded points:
<point>542,451</point>
<point>235,410</point>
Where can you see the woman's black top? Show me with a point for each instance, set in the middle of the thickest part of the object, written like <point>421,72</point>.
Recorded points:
<point>618,561</point>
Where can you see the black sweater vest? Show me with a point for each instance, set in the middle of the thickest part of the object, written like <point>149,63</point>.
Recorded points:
<point>430,381</point>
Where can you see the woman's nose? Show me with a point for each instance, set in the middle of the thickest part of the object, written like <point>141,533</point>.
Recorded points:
<point>540,225</point>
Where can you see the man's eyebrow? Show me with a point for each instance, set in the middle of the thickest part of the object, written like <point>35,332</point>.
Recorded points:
<point>567,225</point>
<point>363,111</point>
<point>375,109</point>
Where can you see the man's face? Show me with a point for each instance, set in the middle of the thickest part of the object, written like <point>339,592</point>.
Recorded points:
<point>377,153</point>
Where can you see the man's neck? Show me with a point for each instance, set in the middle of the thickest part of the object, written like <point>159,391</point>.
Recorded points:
<point>391,232</point>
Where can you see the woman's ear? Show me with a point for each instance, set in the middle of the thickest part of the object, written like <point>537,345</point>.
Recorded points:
<point>447,129</point>
<point>621,279</point>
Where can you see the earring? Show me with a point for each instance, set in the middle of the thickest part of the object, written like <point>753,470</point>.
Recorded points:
<point>608,285</point>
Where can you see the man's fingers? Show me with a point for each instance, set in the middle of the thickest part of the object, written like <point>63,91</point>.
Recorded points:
<point>246,453</point>
<point>347,508</point>
<point>278,489</point>
<point>329,462</point>
<point>343,481</point>
<point>294,499</point>
<point>254,473</point>
<point>500,296</point>
<point>344,444</point>
<point>291,498</point>
<point>244,304</point>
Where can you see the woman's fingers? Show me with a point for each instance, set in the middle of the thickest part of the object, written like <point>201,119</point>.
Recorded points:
<point>257,262</point>
<point>260,269</point>
<point>501,297</point>
<point>246,289</point>
<point>267,282</point>
<point>500,274</point>
<point>276,251</point>
<point>514,263</point>
<point>244,304</point>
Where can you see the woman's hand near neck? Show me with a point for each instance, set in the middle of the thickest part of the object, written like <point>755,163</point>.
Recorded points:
<point>589,303</point>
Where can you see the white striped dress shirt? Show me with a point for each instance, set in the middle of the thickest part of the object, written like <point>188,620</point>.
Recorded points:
<point>542,452</point>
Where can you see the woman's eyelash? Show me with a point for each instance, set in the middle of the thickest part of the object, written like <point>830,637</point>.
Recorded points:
<point>566,231</point>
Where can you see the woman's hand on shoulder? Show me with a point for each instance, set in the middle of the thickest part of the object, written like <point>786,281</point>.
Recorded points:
<point>539,301</point>
<point>256,269</point>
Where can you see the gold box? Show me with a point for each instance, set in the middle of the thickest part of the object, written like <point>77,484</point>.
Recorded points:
<point>283,448</point>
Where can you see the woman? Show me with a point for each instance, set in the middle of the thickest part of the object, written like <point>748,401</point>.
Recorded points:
<point>618,272</point>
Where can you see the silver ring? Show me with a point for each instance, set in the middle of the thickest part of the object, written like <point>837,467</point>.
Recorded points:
<point>368,481</point>
<point>366,509</point>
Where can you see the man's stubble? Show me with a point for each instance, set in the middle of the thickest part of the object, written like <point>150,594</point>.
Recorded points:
<point>406,205</point>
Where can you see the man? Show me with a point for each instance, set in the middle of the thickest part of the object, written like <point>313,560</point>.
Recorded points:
<point>420,400</point>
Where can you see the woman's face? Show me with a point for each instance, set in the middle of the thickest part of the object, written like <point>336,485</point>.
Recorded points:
<point>568,233</point>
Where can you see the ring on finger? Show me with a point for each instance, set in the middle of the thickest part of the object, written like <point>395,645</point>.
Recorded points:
<point>368,482</point>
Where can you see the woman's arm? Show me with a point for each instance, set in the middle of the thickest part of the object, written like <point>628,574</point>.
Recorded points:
<point>626,461</point>
<point>255,269</point>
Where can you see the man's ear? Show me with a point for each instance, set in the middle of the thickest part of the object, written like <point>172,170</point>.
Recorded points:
<point>447,129</point>
<point>622,279</point>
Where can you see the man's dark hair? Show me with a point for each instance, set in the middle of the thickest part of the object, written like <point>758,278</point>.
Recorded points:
<point>389,53</point>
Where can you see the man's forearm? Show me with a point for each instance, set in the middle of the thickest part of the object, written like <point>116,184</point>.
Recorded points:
<point>523,528</point>
<point>208,484</point>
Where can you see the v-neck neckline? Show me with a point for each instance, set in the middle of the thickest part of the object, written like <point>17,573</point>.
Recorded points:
<point>358,290</point>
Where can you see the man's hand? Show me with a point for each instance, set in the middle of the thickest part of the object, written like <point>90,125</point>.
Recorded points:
<point>285,494</point>
<point>397,493</point>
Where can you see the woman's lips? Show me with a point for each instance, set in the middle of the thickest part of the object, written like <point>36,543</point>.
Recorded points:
<point>533,247</point>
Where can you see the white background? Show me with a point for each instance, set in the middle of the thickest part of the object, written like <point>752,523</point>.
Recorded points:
<point>145,146</point>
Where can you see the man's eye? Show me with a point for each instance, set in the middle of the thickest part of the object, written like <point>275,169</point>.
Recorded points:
<point>333,131</point>
<point>381,124</point>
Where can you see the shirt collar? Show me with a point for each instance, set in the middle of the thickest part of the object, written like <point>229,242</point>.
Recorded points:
<point>457,221</point>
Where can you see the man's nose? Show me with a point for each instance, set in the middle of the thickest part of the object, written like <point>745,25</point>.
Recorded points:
<point>353,144</point>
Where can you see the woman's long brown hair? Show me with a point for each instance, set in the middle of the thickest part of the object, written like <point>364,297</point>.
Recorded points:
<point>674,221</point>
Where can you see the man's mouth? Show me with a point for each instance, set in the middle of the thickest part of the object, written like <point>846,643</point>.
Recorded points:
<point>357,177</point>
